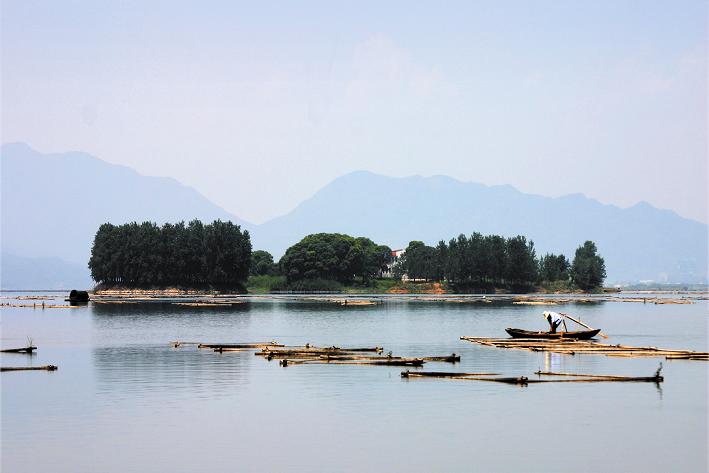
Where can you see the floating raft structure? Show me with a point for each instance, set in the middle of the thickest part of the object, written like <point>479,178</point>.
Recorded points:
<point>28,350</point>
<point>310,351</point>
<point>221,347</point>
<point>30,368</point>
<point>310,354</point>
<point>347,356</point>
<point>372,361</point>
<point>239,346</point>
<point>524,380</point>
<point>590,347</point>
<point>209,304</point>
<point>40,306</point>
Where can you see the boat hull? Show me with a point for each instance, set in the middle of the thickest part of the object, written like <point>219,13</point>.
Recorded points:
<point>580,335</point>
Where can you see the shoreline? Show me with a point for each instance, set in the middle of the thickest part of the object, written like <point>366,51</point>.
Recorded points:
<point>349,299</point>
<point>223,299</point>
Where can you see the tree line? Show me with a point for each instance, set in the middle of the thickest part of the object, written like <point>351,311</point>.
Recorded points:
<point>492,260</point>
<point>141,255</point>
<point>475,261</point>
<point>219,254</point>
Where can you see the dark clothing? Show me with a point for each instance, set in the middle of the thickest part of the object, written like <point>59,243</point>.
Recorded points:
<point>553,325</point>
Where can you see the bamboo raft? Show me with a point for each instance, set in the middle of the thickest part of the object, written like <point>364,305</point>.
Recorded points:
<point>309,354</point>
<point>372,361</point>
<point>443,374</point>
<point>524,380</point>
<point>39,306</point>
<point>30,368</point>
<point>227,346</point>
<point>590,347</point>
<point>353,359</point>
<point>27,350</point>
<point>295,352</point>
<point>208,304</point>
<point>357,302</point>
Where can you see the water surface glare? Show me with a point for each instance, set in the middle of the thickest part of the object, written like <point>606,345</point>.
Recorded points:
<point>124,400</point>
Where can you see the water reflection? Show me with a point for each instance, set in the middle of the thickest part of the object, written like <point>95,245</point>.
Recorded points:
<point>167,308</point>
<point>144,370</point>
<point>552,361</point>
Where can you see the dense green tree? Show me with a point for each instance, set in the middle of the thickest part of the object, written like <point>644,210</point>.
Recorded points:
<point>418,261</point>
<point>262,263</point>
<point>376,258</point>
<point>195,256</point>
<point>441,261</point>
<point>336,257</point>
<point>174,254</point>
<point>452,263</point>
<point>553,268</point>
<point>473,261</point>
<point>476,260</point>
<point>588,271</point>
<point>497,249</point>
<point>521,264</point>
<point>466,265</point>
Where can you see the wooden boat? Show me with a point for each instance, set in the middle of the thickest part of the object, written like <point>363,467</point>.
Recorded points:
<point>579,335</point>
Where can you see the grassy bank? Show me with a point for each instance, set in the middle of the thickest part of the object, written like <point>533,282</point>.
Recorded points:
<point>274,284</point>
<point>265,284</point>
<point>269,284</point>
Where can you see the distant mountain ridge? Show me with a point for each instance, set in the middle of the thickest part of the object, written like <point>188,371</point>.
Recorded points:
<point>52,205</point>
<point>638,243</point>
<point>18,272</point>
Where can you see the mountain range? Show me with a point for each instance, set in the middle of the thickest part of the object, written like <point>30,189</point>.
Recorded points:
<point>52,205</point>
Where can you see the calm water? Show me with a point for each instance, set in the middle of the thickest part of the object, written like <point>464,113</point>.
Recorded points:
<point>124,400</point>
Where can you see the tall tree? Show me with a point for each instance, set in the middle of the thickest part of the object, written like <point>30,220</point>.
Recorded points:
<point>553,268</point>
<point>497,248</point>
<point>418,261</point>
<point>521,268</point>
<point>441,257</point>
<point>588,271</point>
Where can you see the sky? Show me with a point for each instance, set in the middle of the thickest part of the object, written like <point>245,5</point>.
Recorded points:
<point>257,105</point>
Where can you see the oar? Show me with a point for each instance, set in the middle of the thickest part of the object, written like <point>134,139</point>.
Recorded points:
<point>583,324</point>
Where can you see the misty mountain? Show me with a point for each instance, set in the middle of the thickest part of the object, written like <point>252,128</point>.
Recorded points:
<point>18,272</point>
<point>640,242</point>
<point>52,204</point>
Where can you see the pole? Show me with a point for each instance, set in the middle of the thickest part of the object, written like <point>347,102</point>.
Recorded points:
<point>582,324</point>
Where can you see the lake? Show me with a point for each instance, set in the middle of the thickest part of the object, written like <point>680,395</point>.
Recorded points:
<point>124,400</point>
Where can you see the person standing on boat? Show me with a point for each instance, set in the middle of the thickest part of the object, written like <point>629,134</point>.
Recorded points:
<point>554,319</point>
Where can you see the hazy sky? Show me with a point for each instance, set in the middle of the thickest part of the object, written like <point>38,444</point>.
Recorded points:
<point>259,104</point>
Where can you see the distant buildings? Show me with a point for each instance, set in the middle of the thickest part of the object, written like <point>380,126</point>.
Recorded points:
<point>395,255</point>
